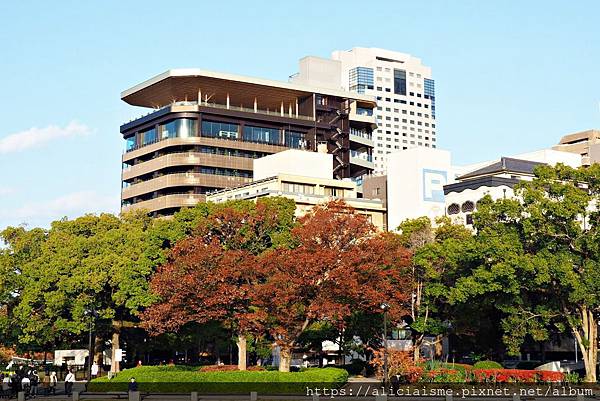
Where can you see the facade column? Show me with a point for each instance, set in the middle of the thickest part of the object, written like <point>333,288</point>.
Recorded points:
<point>199,96</point>
<point>282,108</point>
<point>227,100</point>
<point>290,110</point>
<point>255,106</point>
<point>296,107</point>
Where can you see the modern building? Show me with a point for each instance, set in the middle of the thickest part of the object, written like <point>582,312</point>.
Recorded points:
<point>497,179</point>
<point>402,85</point>
<point>424,182</point>
<point>204,129</point>
<point>585,143</point>
<point>304,177</point>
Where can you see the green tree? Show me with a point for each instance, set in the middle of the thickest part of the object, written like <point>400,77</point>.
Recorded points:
<point>538,257</point>
<point>89,263</point>
<point>427,242</point>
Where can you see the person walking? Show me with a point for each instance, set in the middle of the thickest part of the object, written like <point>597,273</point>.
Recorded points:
<point>53,383</point>
<point>69,381</point>
<point>25,385</point>
<point>95,369</point>
<point>46,383</point>
<point>35,381</point>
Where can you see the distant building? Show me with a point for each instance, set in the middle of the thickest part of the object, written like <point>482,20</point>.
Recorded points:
<point>402,85</point>
<point>424,182</point>
<point>585,143</point>
<point>288,174</point>
<point>205,128</point>
<point>498,180</point>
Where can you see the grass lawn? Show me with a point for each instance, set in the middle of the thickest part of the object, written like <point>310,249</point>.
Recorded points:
<point>184,379</point>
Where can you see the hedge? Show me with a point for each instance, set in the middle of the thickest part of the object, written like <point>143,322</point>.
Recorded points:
<point>183,379</point>
<point>487,365</point>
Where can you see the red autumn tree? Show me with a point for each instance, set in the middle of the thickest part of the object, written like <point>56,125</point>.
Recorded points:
<point>210,275</point>
<point>338,264</point>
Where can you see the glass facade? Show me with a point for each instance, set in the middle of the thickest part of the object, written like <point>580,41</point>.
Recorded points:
<point>294,140</point>
<point>180,128</point>
<point>148,136</point>
<point>220,130</point>
<point>399,82</point>
<point>261,134</point>
<point>130,143</point>
<point>429,87</point>
<point>361,78</point>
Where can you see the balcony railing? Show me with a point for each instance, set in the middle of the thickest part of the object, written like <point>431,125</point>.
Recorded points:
<point>361,133</point>
<point>361,155</point>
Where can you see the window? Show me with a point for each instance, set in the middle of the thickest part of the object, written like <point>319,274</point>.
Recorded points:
<point>453,209</point>
<point>331,191</point>
<point>429,89</point>
<point>261,134</point>
<point>298,188</point>
<point>294,140</point>
<point>220,130</point>
<point>399,82</point>
<point>180,128</point>
<point>130,143</point>
<point>148,136</point>
<point>468,206</point>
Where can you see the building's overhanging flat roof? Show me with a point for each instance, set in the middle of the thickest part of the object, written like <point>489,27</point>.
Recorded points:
<point>181,81</point>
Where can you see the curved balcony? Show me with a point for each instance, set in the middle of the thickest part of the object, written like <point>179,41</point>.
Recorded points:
<point>166,202</point>
<point>202,140</point>
<point>188,159</point>
<point>183,179</point>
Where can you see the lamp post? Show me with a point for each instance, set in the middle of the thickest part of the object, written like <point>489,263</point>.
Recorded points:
<point>385,307</point>
<point>91,314</point>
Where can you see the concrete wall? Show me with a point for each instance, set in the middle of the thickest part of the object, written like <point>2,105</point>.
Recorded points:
<point>415,184</point>
<point>294,162</point>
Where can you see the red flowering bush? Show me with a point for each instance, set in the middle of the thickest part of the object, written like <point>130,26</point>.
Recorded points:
<point>515,376</point>
<point>400,363</point>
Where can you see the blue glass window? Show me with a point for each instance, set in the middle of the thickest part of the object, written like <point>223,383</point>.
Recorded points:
<point>361,78</point>
<point>130,143</point>
<point>399,82</point>
<point>220,130</point>
<point>180,128</point>
<point>429,86</point>
<point>148,136</point>
<point>261,134</point>
<point>294,140</point>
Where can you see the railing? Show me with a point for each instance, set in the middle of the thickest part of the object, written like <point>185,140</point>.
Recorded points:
<point>361,133</point>
<point>361,155</point>
<point>230,107</point>
<point>206,136</point>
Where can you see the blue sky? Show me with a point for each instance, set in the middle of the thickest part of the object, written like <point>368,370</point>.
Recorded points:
<point>510,76</point>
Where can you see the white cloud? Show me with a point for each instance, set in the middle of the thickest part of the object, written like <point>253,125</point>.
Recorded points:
<point>6,191</point>
<point>34,136</point>
<point>71,205</point>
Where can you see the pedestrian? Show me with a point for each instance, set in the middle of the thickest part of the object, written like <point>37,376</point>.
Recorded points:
<point>95,369</point>
<point>14,383</point>
<point>25,385</point>
<point>69,380</point>
<point>53,382</point>
<point>46,383</point>
<point>35,381</point>
<point>133,386</point>
<point>6,387</point>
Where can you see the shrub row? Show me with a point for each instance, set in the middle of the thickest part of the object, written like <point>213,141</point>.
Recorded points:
<point>160,379</point>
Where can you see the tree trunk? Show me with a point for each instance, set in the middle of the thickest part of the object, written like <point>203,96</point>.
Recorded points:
<point>285,358</point>
<point>115,366</point>
<point>242,351</point>
<point>99,347</point>
<point>587,339</point>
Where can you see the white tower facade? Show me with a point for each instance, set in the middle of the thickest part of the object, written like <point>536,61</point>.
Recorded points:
<point>405,92</point>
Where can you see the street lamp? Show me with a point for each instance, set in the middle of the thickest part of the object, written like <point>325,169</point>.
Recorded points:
<point>385,307</point>
<point>92,315</point>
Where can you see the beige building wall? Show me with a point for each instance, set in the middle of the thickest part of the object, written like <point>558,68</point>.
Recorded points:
<point>307,192</point>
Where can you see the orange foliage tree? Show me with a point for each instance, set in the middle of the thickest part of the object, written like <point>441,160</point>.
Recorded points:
<point>338,264</point>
